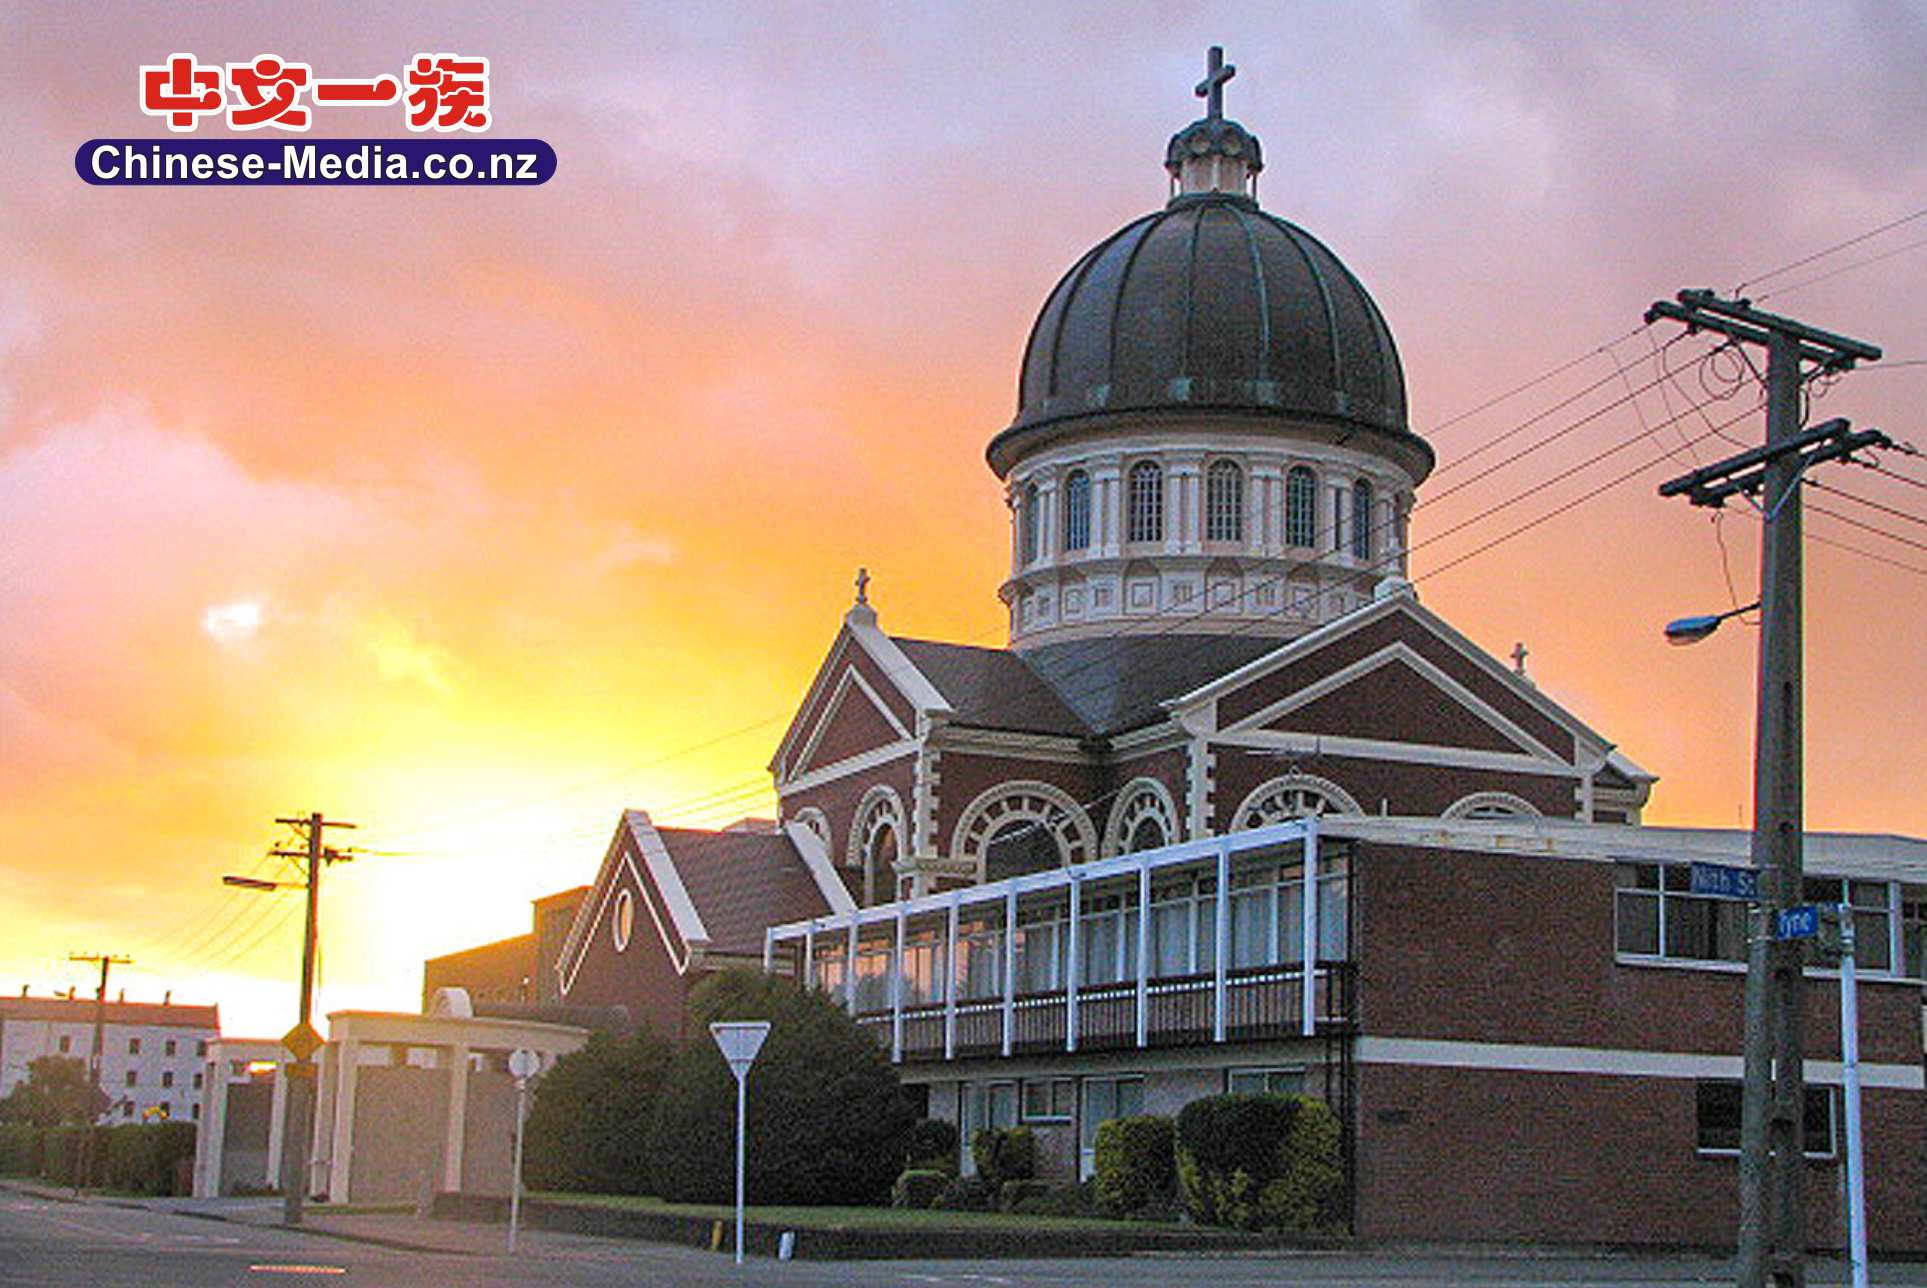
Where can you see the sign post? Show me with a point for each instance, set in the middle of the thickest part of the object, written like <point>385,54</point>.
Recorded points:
<point>522,1064</point>
<point>1850,1063</point>
<point>739,1041</point>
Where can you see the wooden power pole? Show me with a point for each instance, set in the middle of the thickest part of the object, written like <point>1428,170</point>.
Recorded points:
<point>1772,1234</point>
<point>84,1169</point>
<point>302,1041</point>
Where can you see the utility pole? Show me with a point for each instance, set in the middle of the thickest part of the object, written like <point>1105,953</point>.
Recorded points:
<point>85,1170</point>
<point>297,1127</point>
<point>1772,1234</point>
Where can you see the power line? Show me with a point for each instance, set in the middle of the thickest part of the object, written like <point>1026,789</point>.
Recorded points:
<point>1874,528</point>
<point>1537,380</point>
<point>1867,501</point>
<point>1844,268</point>
<point>1837,247</point>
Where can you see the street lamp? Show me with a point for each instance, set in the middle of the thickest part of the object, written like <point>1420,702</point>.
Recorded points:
<point>740,1040</point>
<point>1691,630</point>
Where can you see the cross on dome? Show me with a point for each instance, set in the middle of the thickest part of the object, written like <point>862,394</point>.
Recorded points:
<point>1211,88</point>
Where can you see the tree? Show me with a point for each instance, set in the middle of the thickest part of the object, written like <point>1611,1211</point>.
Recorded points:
<point>828,1121</point>
<point>588,1126</point>
<point>57,1090</point>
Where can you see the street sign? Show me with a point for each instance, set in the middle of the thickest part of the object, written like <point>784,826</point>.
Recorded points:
<point>302,1041</point>
<point>1802,922</point>
<point>1723,881</point>
<point>740,1040</point>
<point>523,1062</point>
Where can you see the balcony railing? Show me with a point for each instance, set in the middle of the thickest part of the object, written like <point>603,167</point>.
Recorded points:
<point>1227,1003</point>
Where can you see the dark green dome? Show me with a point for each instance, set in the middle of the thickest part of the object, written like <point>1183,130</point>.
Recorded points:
<point>1211,305</point>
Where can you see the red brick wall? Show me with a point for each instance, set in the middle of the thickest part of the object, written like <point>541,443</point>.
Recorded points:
<point>1503,948</point>
<point>847,654</point>
<point>1489,1154</point>
<point>839,799</point>
<point>1396,627</point>
<point>1170,767</point>
<point>1405,788</point>
<point>642,978</point>
<point>965,776</point>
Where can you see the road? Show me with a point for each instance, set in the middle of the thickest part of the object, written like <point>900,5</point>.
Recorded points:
<point>50,1244</point>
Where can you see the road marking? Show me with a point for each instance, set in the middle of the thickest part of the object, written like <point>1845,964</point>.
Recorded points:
<point>265,1269</point>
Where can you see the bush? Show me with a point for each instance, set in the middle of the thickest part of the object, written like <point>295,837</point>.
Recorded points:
<point>918,1187</point>
<point>1259,1162</point>
<point>828,1122</point>
<point>19,1149</point>
<point>966,1194</point>
<point>1136,1164</point>
<point>589,1122</point>
<point>1045,1198</point>
<point>933,1144</point>
<point>62,1150</point>
<point>1004,1154</point>
<point>144,1158</point>
<point>57,1090</point>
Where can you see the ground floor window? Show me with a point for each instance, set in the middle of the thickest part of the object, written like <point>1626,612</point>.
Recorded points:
<point>981,1105</point>
<point>1102,1100</point>
<point>1289,1081</point>
<point>1048,1099</point>
<point>1720,1112</point>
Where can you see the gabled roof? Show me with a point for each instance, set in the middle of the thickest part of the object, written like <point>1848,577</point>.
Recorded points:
<point>713,892</point>
<point>860,632</point>
<point>993,688</point>
<point>1122,683</point>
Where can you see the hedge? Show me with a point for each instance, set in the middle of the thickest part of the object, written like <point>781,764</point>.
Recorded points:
<point>918,1187</point>
<point>1259,1162</point>
<point>933,1144</point>
<point>19,1149</point>
<point>589,1120</point>
<point>1004,1154</point>
<point>1136,1164</point>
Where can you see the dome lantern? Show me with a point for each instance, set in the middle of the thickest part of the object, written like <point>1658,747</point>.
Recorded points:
<point>1214,154</point>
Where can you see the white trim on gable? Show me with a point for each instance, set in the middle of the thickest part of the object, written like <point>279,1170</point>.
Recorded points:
<point>834,705</point>
<point>860,625</point>
<point>816,858</point>
<point>1589,744</point>
<point>856,764</point>
<point>684,937</point>
<point>1400,651</point>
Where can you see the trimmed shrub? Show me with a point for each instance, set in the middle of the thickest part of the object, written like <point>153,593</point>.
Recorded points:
<point>965,1194</point>
<point>1259,1162</point>
<point>933,1144</point>
<point>1045,1198</point>
<point>1136,1164</point>
<point>1004,1154</point>
<point>918,1187</point>
<point>144,1158</point>
<point>828,1121</point>
<point>19,1149</point>
<point>1016,1196</point>
<point>588,1122</point>
<point>62,1153</point>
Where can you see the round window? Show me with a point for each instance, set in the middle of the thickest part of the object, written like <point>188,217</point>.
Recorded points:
<point>624,922</point>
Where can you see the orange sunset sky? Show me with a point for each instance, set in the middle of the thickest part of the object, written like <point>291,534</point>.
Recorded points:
<point>477,515</point>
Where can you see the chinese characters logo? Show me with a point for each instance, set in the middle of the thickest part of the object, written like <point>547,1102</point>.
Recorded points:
<point>440,93</point>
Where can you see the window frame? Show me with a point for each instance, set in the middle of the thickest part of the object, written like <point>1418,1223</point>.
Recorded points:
<point>1027,525</point>
<point>1051,1111</point>
<point>1267,1072</point>
<point>1144,503</point>
<point>1830,1154</point>
<point>1363,498</point>
<point>1301,507</point>
<point>1077,510</point>
<point>1224,501</point>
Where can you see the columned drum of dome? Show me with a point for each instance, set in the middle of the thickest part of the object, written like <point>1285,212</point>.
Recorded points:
<point>1207,342</point>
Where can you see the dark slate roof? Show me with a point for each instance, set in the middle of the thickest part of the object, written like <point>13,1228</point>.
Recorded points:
<point>1212,305</point>
<point>1078,688</point>
<point>741,883</point>
<point>992,688</point>
<point>1117,684</point>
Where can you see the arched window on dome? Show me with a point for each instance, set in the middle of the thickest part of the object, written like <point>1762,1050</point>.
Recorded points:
<point>1362,522</point>
<point>1077,511</point>
<point>1029,520</point>
<point>1224,502</point>
<point>1301,507</point>
<point>1146,521</point>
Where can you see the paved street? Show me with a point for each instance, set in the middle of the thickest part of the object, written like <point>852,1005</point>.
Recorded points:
<point>97,1245</point>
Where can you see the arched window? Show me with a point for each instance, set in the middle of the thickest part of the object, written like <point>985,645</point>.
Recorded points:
<point>1292,796</point>
<point>1301,507</point>
<point>1077,511</point>
<point>1224,502</point>
<point>1020,826</point>
<point>1020,847</point>
<point>879,863</point>
<point>1029,519</point>
<point>1362,523</point>
<point>1145,819</point>
<point>1147,503</point>
<point>876,843</point>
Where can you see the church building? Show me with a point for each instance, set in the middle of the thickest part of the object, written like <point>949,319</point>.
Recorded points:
<point>1234,810</point>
